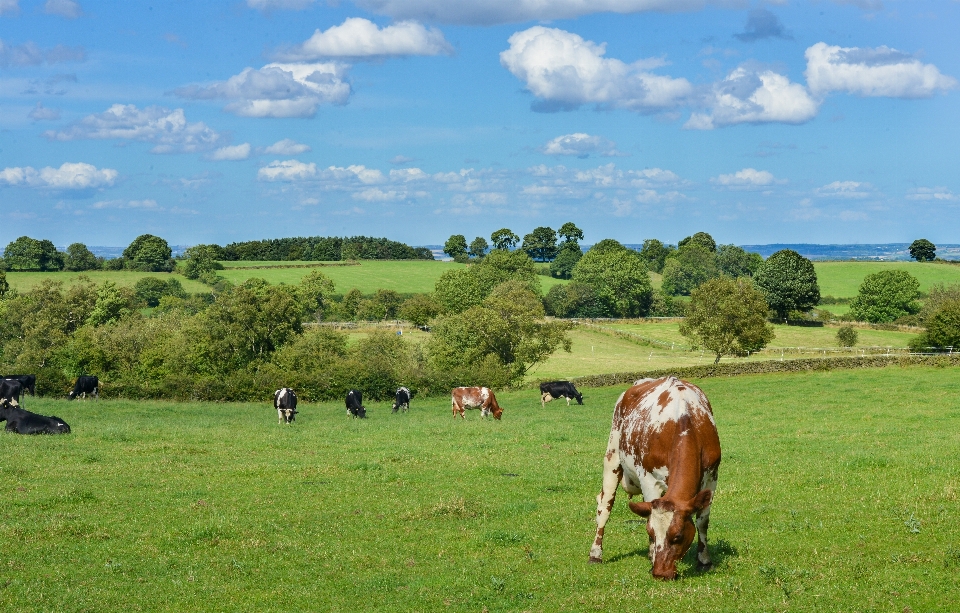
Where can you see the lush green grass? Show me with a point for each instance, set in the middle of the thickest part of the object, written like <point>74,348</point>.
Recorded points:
<point>838,492</point>
<point>25,281</point>
<point>843,279</point>
<point>786,336</point>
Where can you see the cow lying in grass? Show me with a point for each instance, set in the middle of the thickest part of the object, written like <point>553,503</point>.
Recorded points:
<point>22,421</point>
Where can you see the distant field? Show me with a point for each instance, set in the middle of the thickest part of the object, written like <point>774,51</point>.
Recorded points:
<point>786,336</point>
<point>838,491</point>
<point>843,279</point>
<point>25,281</point>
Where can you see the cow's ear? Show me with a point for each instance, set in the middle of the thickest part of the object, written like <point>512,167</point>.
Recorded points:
<point>641,508</point>
<point>701,500</point>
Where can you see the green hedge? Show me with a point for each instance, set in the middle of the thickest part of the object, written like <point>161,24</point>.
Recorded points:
<point>733,369</point>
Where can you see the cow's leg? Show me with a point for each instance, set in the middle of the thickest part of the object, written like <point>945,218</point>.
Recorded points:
<point>612,472</point>
<point>568,400</point>
<point>703,523</point>
<point>279,416</point>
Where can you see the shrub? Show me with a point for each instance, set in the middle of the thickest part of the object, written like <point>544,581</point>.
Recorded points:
<point>943,327</point>
<point>847,336</point>
<point>419,309</point>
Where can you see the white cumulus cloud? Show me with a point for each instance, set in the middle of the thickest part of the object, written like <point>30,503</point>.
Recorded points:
<point>748,96</point>
<point>65,8</point>
<point>748,177</point>
<point>232,153</point>
<point>287,170</point>
<point>872,72</point>
<point>70,176</point>
<point>287,146</point>
<point>580,145</point>
<point>566,71</point>
<point>277,90</point>
<point>488,12</point>
<point>361,38</point>
<point>168,130</point>
<point>845,189</point>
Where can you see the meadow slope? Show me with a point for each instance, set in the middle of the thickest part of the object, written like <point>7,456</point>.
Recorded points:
<point>838,492</point>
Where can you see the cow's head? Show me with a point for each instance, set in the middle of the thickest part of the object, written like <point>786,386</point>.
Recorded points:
<point>579,398</point>
<point>72,395</point>
<point>497,411</point>
<point>289,415</point>
<point>671,530</point>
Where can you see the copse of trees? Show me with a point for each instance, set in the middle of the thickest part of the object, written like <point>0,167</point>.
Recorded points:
<point>322,248</point>
<point>689,267</point>
<point>618,277</point>
<point>26,253</point>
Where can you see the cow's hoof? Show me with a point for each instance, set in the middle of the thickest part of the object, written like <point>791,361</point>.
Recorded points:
<point>702,568</point>
<point>594,560</point>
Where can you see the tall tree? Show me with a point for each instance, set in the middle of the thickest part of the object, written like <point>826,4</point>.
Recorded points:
<point>504,239</point>
<point>541,244</point>
<point>478,247</point>
<point>570,233</point>
<point>727,317</point>
<point>788,282</point>
<point>700,238</point>
<point>734,261</point>
<point>149,253</point>
<point>619,278</point>
<point>455,246</point>
<point>24,253</point>
<point>79,258</point>
<point>923,250</point>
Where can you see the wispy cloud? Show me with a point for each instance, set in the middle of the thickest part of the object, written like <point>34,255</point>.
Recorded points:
<point>70,176</point>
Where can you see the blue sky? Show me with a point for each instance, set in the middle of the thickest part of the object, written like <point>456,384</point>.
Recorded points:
<point>830,121</point>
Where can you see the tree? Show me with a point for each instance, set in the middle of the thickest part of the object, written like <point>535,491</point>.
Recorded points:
<point>788,282</point>
<point>24,253</point>
<point>80,258</point>
<point>351,302</point>
<point>943,328</point>
<point>570,233</point>
<point>507,328</point>
<point>149,290</point>
<point>314,292</point>
<point>573,300</point>
<point>458,290</point>
<point>419,309</point>
<point>50,258</point>
<point>923,250</point>
<point>619,278</point>
<point>541,244</point>
<point>149,253</point>
<point>734,261</point>
<point>113,303</point>
<point>654,254</point>
<point>727,317</point>
<point>562,266</point>
<point>700,238</point>
<point>847,336</point>
<point>504,239</point>
<point>4,286</point>
<point>688,268</point>
<point>201,259</point>
<point>885,296</point>
<point>478,247</point>
<point>456,245</point>
<point>390,301</point>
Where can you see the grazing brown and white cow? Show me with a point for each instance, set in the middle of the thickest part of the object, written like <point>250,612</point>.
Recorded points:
<point>474,398</point>
<point>663,444</point>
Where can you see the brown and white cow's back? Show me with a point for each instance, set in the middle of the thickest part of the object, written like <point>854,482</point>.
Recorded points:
<point>481,398</point>
<point>664,445</point>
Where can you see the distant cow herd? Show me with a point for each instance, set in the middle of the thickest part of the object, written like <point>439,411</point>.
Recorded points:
<point>663,446</point>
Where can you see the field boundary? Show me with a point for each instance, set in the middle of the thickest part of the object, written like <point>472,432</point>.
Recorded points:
<point>771,366</point>
<point>316,265</point>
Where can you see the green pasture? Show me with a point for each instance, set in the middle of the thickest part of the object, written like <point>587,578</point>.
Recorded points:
<point>785,336</point>
<point>26,281</point>
<point>843,279</point>
<point>838,491</point>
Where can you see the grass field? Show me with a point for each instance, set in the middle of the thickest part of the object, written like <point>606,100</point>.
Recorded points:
<point>838,491</point>
<point>402,276</point>
<point>843,279</point>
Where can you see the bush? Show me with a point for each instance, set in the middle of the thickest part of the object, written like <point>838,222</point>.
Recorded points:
<point>201,259</point>
<point>149,290</point>
<point>419,309</point>
<point>573,300</point>
<point>847,336</point>
<point>885,296</point>
<point>943,328</point>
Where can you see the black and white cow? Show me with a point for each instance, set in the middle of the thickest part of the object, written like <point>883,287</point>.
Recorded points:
<point>11,389</point>
<point>402,400</point>
<point>85,385</point>
<point>27,382</point>
<point>559,389</point>
<point>355,404</point>
<point>285,402</point>
<point>21,421</point>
